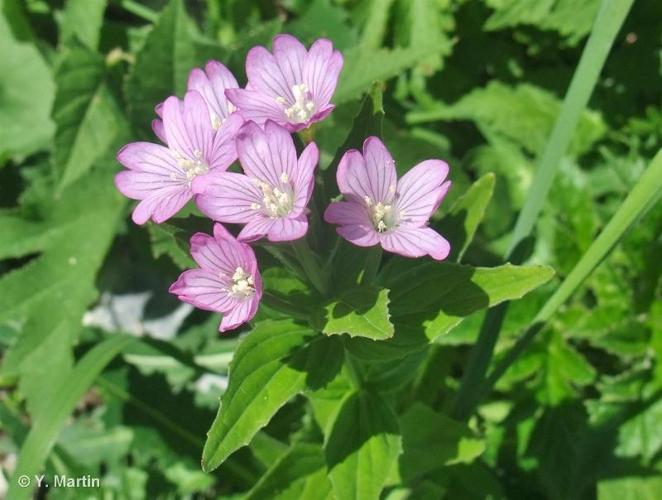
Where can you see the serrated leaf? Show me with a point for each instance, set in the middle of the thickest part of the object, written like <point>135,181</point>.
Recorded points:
<point>360,312</point>
<point>85,113</point>
<point>459,225</point>
<point>162,66</point>
<point>431,440</point>
<point>362,446</point>
<point>571,18</point>
<point>428,300</point>
<point>26,95</point>
<point>276,361</point>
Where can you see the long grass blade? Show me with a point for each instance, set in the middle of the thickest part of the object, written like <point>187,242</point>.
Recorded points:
<point>643,196</point>
<point>610,18</point>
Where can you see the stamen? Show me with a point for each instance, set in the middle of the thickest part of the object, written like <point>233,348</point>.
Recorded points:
<point>303,106</point>
<point>383,216</point>
<point>243,285</point>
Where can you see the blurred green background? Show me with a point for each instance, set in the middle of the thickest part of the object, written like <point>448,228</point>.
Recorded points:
<point>478,83</point>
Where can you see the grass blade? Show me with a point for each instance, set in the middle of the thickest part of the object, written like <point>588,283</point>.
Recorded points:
<point>643,196</point>
<point>44,432</point>
<point>607,24</point>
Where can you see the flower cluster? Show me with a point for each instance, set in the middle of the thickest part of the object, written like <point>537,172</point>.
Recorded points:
<point>218,123</point>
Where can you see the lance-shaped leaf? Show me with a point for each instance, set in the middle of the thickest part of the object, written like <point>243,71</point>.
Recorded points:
<point>275,362</point>
<point>361,447</point>
<point>360,312</point>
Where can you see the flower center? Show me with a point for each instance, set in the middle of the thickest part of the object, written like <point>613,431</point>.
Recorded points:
<point>192,167</point>
<point>303,106</point>
<point>277,201</point>
<point>242,284</point>
<point>383,216</point>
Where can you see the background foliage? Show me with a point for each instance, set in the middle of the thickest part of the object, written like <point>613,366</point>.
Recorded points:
<point>105,374</point>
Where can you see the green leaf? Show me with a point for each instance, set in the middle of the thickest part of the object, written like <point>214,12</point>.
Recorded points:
<point>365,66</point>
<point>162,66</point>
<point>361,447</point>
<point>85,113</point>
<point>428,300</point>
<point>630,488</point>
<point>571,18</point>
<point>172,238</point>
<point>49,295</point>
<point>82,19</point>
<point>524,114</point>
<point>26,95</point>
<point>459,225</point>
<point>376,24</point>
<point>360,312</point>
<point>437,296</point>
<point>287,477</point>
<point>61,403</point>
<point>431,440</point>
<point>275,362</point>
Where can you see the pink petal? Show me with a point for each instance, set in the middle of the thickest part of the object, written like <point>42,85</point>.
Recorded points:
<point>380,168</point>
<point>159,131</point>
<point>304,182</point>
<point>203,289</point>
<point>323,113</point>
<point>415,242</point>
<point>227,197</point>
<point>321,70</point>
<point>267,154</point>
<point>161,206</point>
<point>265,75</point>
<point>370,175</point>
<point>421,190</point>
<point>223,152</point>
<point>288,228</point>
<point>153,177</point>
<point>214,257</point>
<point>355,223</point>
<point>243,312</point>
<point>187,124</point>
<point>256,228</point>
<point>256,106</point>
<point>290,55</point>
<point>211,84</point>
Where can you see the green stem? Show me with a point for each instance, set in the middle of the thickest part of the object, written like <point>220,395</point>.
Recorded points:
<point>310,265</point>
<point>372,262</point>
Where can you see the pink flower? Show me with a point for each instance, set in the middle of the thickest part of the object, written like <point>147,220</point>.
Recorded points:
<point>292,86</point>
<point>161,176</point>
<point>212,84</point>
<point>379,209</point>
<point>272,195</point>
<point>227,281</point>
